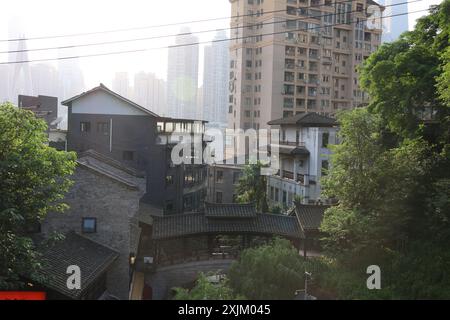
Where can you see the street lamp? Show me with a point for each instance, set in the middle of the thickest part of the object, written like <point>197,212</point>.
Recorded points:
<point>307,274</point>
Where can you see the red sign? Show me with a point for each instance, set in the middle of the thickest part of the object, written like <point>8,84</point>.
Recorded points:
<point>22,295</point>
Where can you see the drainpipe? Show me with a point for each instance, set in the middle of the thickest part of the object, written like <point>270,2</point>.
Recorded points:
<point>110,135</point>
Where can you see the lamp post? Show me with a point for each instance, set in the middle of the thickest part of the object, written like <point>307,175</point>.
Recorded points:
<point>307,274</point>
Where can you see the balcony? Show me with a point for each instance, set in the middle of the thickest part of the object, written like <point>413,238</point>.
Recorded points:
<point>300,178</point>
<point>292,143</point>
<point>288,175</point>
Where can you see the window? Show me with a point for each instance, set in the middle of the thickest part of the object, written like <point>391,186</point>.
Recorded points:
<point>187,202</point>
<point>85,126</point>
<point>169,180</point>
<point>288,103</point>
<point>325,139</point>
<point>324,167</point>
<point>218,197</point>
<point>219,176</point>
<point>169,208</point>
<point>103,128</point>
<point>89,225</point>
<point>128,155</point>
<point>236,177</point>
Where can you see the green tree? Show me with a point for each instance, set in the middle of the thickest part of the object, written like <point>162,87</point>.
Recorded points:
<point>252,187</point>
<point>401,77</point>
<point>33,180</point>
<point>391,174</point>
<point>273,271</point>
<point>204,289</point>
<point>375,185</point>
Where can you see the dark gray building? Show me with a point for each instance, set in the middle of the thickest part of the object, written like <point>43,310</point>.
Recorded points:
<point>222,182</point>
<point>46,108</point>
<point>43,107</point>
<point>110,124</point>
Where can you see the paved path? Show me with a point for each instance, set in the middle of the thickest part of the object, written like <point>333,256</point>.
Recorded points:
<point>179,275</point>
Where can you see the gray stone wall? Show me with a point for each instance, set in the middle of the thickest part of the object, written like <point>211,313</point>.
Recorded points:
<point>113,205</point>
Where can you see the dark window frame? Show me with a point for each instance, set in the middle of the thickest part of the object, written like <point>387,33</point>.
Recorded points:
<point>221,196</point>
<point>103,127</point>
<point>85,126</point>
<point>219,176</point>
<point>325,139</point>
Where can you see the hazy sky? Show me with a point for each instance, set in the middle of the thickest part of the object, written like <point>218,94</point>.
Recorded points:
<point>54,17</point>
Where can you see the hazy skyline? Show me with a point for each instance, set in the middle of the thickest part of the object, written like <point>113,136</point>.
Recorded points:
<point>51,17</point>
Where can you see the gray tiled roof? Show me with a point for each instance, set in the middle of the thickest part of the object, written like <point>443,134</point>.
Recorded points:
<point>306,119</point>
<point>110,168</point>
<point>92,258</point>
<point>310,216</point>
<point>230,210</point>
<point>197,223</point>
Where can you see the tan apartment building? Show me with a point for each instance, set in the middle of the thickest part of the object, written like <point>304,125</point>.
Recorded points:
<point>291,56</point>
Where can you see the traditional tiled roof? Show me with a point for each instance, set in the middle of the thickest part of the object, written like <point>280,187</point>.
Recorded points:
<point>110,168</point>
<point>310,216</point>
<point>197,223</point>
<point>103,88</point>
<point>230,210</point>
<point>92,258</point>
<point>305,119</point>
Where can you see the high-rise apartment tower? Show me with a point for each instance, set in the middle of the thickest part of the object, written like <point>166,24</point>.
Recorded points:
<point>291,56</point>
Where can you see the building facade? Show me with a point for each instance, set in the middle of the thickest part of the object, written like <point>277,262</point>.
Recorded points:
<point>150,92</point>
<point>46,108</point>
<point>103,202</point>
<point>222,182</point>
<point>304,158</point>
<point>121,84</point>
<point>177,187</point>
<point>118,128</point>
<point>396,21</point>
<point>106,122</point>
<point>215,81</point>
<point>182,77</point>
<point>295,56</point>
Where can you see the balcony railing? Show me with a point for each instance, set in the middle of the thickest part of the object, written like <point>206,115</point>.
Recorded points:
<point>288,175</point>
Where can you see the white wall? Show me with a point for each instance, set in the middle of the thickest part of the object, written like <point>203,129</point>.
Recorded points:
<point>100,102</point>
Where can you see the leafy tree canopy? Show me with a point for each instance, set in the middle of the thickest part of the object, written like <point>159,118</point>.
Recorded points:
<point>33,180</point>
<point>204,289</point>
<point>252,187</point>
<point>273,271</point>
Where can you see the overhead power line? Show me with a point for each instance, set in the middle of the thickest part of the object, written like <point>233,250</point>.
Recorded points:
<point>173,35</point>
<point>155,26</point>
<point>198,43</point>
